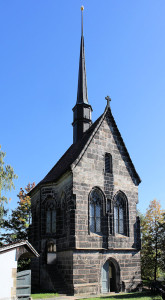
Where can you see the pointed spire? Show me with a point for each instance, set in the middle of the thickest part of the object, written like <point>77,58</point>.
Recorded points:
<point>82,110</point>
<point>82,94</point>
<point>82,8</point>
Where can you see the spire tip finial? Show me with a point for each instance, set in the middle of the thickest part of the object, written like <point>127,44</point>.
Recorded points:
<point>82,8</point>
<point>108,100</point>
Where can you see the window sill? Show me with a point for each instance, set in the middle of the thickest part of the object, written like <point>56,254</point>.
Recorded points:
<point>98,234</point>
<point>121,235</point>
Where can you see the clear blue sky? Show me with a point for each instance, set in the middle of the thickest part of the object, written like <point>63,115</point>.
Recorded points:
<point>125,58</point>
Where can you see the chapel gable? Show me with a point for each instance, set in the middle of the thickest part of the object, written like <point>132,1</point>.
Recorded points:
<point>84,217</point>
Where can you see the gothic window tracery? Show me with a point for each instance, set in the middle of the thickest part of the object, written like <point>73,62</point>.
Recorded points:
<point>63,213</point>
<point>50,216</point>
<point>95,210</point>
<point>120,215</point>
<point>51,252</point>
<point>110,215</point>
<point>51,247</point>
<point>51,221</point>
<point>108,163</point>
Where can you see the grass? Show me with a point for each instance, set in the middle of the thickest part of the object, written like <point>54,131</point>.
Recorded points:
<point>44,295</point>
<point>146,295</point>
<point>130,296</point>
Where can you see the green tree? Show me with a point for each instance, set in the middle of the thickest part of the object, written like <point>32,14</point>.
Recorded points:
<point>7,176</point>
<point>162,232</point>
<point>17,225</point>
<point>151,240</point>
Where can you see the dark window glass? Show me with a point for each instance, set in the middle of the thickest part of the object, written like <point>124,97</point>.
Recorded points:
<point>48,221</point>
<point>121,220</point>
<point>95,203</point>
<point>51,221</point>
<point>92,217</point>
<point>98,217</point>
<point>108,163</point>
<point>110,215</point>
<point>120,215</point>
<point>116,219</point>
<point>109,206</point>
<point>63,219</point>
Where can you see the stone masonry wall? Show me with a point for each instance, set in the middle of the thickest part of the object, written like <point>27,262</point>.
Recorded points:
<point>64,237</point>
<point>87,266</point>
<point>34,234</point>
<point>65,267</point>
<point>89,173</point>
<point>81,254</point>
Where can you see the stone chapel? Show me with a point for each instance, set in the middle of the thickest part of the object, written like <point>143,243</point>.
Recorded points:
<point>84,219</point>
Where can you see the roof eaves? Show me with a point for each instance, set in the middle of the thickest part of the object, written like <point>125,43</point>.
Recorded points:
<point>43,183</point>
<point>19,244</point>
<point>133,167</point>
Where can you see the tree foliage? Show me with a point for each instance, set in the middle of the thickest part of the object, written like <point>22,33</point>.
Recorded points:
<point>17,225</point>
<point>151,229</point>
<point>7,176</point>
<point>162,246</point>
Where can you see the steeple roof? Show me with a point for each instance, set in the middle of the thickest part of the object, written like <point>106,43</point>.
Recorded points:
<point>82,94</point>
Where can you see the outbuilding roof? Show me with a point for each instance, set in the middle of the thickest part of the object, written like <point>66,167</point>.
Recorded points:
<point>12,246</point>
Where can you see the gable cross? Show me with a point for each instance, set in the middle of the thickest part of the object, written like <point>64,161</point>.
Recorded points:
<point>108,100</point>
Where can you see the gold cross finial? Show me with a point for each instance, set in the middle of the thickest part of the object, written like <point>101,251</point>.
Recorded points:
<point>108,100</point>
<point>82,8</point>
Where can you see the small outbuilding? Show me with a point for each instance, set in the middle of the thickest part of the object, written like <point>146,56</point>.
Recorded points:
<point>9,256</point>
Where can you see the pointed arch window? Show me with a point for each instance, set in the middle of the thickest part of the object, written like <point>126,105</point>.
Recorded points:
<point>110,215</point>
<point>63,209</point>
<point>95,210</point>
<point>50,216</point>
<point>120,215</point>
<point>51,221</point>
<point>108,163</point>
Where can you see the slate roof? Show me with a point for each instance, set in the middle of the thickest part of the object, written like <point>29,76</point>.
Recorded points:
<point>68,158</point>
<point>74,151</point>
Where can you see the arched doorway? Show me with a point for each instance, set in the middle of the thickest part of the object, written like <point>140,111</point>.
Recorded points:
<point>110,276</point>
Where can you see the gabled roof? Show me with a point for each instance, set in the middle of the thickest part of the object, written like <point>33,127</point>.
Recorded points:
<point>65,162</point>
<point>116,133</point>
<point>12,246</point>
<point>73,155</point>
